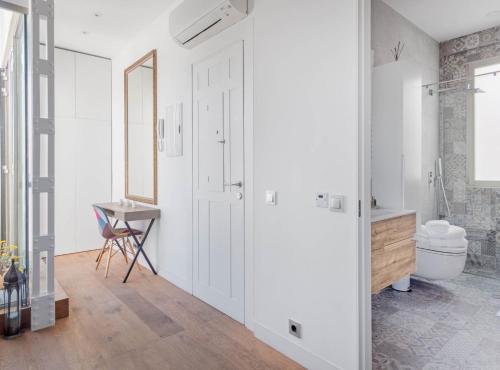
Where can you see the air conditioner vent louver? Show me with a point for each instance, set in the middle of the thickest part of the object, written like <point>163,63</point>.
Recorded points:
<point>199,33</point>
<point>195,21</point>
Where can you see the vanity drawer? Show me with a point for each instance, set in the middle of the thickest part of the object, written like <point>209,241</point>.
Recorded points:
<point>390,231</point>
<point>392,262</point>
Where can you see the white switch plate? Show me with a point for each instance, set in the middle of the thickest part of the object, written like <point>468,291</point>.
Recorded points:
<point>337,203</point>
<point>322,200</point>
<point>270,197</point>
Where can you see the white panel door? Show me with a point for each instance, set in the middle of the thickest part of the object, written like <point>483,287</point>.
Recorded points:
<point>65,200</point>
<point>218,257</point>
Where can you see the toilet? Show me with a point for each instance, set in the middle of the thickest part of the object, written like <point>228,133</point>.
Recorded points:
<point>441,250</point>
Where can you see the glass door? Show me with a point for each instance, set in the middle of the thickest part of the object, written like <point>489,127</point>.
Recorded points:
<point>13,129</point>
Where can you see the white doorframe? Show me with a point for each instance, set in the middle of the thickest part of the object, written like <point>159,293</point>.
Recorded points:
<point>364,184</point>
<point>242,31</point>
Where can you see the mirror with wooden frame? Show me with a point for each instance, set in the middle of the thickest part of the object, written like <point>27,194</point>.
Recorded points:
<point>140,130</point>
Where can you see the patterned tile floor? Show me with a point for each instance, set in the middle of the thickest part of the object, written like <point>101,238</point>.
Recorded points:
<point>447,325</point>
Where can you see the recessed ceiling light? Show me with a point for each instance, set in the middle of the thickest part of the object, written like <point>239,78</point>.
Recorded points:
<point>494,13</point>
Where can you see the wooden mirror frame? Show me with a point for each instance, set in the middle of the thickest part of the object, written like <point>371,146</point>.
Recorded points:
<point>139,198</point>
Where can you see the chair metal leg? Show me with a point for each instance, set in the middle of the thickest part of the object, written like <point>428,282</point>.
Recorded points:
<point>101,254</point>
<point>102,249</point>
<point>110,255</point>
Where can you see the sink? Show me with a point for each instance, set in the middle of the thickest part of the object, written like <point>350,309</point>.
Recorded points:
<point>379,214</point>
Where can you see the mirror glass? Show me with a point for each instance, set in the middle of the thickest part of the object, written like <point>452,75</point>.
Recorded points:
<point>140,130</point>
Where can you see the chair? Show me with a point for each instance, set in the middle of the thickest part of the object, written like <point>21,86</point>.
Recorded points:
<point>112,237</point>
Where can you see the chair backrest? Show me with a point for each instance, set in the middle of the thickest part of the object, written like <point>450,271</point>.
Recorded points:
<point>102,221</point>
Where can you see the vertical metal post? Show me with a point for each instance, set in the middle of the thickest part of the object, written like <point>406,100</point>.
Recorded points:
<point>41,192</point>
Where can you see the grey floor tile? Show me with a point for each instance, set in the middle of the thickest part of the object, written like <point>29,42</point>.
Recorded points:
<point>438,326</point>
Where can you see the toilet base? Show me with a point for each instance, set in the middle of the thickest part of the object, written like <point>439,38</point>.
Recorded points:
<point>432,265</point>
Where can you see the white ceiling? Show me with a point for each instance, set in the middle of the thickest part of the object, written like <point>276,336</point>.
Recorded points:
<point>77,27</point>
<point>447,19</point>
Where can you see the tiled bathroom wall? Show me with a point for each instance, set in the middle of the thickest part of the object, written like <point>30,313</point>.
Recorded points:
<point>475,209</point>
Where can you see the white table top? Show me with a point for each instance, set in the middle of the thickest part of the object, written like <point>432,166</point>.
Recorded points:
<point>129,213</point>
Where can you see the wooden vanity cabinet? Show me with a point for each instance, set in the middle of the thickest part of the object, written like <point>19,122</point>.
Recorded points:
<point>393,250</point>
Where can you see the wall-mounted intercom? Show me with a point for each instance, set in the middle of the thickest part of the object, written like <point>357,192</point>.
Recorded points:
<point>161,135</point>
<point>173,130</point>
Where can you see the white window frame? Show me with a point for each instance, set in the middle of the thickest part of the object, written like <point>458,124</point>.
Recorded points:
<point>471,172</point>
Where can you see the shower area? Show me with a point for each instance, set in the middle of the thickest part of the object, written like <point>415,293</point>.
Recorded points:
<point>469,135</point>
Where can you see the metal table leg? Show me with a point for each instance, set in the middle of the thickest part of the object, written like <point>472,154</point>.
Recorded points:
<point>140,250</point>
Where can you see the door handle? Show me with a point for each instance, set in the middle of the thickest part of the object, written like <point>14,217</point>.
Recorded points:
<point>238,184</point>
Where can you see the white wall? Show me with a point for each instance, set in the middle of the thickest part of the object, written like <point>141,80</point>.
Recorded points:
<point>389,27</point>
<point>305,141</point>
<point>397,136</point>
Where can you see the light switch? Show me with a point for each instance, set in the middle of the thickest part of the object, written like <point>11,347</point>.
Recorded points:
<point>270,197</point>
<point>337,203</point>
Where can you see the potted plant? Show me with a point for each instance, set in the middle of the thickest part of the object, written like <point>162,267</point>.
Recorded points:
<point>8,253</point>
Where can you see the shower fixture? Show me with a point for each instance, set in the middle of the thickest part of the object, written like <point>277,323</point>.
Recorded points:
<point>469,85</point>
<point>474,90</point>
<point>439,178</point>
<point>469,88</point>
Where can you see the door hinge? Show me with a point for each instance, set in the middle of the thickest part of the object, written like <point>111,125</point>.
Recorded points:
<point>359,208</point>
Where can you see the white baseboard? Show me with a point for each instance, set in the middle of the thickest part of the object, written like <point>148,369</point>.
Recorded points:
<point>178,281</point>
<point>292,350</point>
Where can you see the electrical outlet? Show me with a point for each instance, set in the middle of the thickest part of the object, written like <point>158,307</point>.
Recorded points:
<point>295,328</point>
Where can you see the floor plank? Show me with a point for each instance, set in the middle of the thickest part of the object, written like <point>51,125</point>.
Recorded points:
<point>147,323</point>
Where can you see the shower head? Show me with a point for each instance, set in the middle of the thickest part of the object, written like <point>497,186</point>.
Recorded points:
<point>474,90</point>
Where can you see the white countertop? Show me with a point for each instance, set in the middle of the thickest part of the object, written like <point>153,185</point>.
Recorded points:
<point>380,214</point>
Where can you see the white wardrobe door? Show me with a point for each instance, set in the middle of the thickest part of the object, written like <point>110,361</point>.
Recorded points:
<point>64,83</point>
<point>93,179</point>
<point>83,148</point>
<point>93,88</point>
<point>65,174</point>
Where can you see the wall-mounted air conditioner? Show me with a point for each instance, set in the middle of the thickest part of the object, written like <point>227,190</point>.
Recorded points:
<point>195,21</point>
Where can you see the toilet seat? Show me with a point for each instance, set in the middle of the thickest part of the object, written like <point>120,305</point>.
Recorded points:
<point>445,251</point>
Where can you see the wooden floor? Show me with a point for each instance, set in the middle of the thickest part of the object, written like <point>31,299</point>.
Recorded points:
<point>147,323</point>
